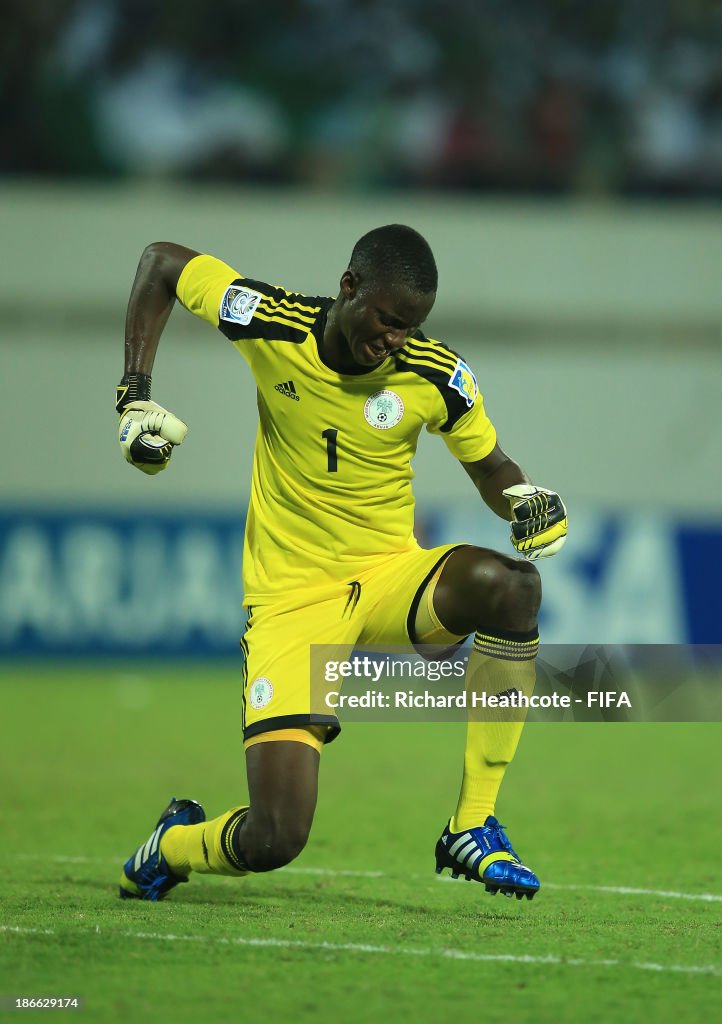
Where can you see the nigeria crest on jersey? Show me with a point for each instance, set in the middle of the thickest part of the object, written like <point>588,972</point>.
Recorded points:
<point>384,409</point>
<point>260,693</point>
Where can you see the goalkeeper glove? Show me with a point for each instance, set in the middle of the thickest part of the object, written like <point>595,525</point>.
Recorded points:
<point>147,432</point>
<point>538,520</point>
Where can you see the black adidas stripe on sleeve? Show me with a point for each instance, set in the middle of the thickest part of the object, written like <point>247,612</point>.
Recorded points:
<point>252,309</point>
<point>436,363</point>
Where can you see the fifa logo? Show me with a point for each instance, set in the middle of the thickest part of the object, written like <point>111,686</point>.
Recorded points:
<point>243,303</point>
<point>464,381</point>
<point>239,304</point>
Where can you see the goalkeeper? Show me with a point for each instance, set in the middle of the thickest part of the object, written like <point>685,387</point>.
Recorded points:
<point>345,386</point>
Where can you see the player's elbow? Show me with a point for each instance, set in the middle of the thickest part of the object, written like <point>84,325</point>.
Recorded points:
<point>154,259</point>
<point>156,252</point>
<point>165,261</point>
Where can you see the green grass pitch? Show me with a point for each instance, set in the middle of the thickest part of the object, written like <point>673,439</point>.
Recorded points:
<point>359,928</point>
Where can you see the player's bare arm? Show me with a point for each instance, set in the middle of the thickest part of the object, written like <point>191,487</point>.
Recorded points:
<point>151,300</point>
<point>147,432</point>
<point>492,475</point>
<point>538,516</point>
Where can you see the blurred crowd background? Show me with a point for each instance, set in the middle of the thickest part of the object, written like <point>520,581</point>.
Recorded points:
<point>621,97</point>
<point>564,159</point>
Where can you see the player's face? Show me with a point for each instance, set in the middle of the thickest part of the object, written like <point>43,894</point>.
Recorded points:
<point>376,319</point>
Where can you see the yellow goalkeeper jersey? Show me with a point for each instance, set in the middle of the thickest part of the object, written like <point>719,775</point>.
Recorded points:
<point>331,489</point>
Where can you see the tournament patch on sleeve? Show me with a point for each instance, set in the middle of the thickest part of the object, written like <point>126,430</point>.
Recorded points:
<point>239,304</point>
<point>463,380</point>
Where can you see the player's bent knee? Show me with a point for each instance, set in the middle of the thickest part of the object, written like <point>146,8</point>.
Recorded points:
<point>276,846</point>
<point>508,591</point>
<point>283,785</point>
<point>519,596</point>
<point>484,589</point>
<point>527,583</point>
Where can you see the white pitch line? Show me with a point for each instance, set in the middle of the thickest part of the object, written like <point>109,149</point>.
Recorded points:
<point>26,931</point>
<point>63,859</point>
<point>260,942</point>
<point>615,890</point>
<point>625,890</point>
<point>333,871</point>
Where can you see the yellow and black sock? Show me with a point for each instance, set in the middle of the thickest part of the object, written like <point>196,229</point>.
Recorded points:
<point>211,847</point>
<point>499,662</point>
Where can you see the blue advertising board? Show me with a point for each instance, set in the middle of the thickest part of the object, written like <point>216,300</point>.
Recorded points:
<point>104,583</point>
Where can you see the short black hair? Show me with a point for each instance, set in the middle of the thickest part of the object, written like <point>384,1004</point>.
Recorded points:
<point>396,253</point>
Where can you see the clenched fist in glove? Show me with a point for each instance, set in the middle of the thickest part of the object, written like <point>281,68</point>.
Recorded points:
<point>538,520</point>
<point>147,432</point>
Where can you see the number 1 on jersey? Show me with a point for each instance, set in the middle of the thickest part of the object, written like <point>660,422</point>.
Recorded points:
<point>330,437</point>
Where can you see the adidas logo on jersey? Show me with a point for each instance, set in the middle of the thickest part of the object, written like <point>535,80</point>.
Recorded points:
<point>288,389</point>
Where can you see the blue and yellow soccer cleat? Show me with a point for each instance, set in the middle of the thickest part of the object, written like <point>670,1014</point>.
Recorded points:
<point>484,854</point>
<point>146,875</point>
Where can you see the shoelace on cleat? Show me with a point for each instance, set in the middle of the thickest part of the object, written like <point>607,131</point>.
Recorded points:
<point>503,839</point>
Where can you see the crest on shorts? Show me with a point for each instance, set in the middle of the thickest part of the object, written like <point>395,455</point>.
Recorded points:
<point>383,410</point>
<point>260,693</point>
<point>464,381</point>
<point>239,304</point>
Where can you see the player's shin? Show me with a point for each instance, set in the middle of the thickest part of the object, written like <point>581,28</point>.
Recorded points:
<point>209,847</point>
<point>499,667</point>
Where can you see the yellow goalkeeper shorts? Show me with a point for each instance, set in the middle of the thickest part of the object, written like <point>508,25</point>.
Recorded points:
<point>375,607</point>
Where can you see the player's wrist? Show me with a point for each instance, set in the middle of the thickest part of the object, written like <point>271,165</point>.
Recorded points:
<point>133,387</point>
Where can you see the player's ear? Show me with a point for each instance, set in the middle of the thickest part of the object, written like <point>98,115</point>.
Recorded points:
<point>349,283</point>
